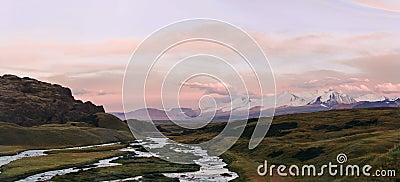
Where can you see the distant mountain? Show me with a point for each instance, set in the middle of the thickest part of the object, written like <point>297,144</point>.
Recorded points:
<point>371,98</point>
<point>331,98</point>
<point>290,99</point>
<point>157,114</point>
<point>385,103</point>
<point>286,103</point>
<point>29,102</point>
<point>323,98</point>
<point>240,103</point>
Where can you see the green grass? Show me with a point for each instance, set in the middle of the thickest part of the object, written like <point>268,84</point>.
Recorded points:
<point>150,168</point>
<point>10,150</point>
<point>365,135</point>
<point>28,166</point>
<point>14,139</point>
<point>91,149</point>
<point>55,136</point>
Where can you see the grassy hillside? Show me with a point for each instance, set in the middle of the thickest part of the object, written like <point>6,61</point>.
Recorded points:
<point>15,138</point>
<point>35,114</point>
<point>366,136</point>
<point>30,102</point>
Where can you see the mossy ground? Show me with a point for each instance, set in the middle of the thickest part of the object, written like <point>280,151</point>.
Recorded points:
<point>366,136</point>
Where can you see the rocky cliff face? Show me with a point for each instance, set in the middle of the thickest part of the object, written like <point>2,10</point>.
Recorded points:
<point>29,102</point>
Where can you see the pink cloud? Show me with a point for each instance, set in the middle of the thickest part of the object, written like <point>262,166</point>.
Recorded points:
<point>209,88</point>
<point>360,88</point>
<point>326,43</point>
<point>360,80</point>
<point>311,81</point>
<point>385,5</point>
<point>86,91</point>
<point>39,51</point>
<point>327,81</point>
<point>388,88</point>
<point>108,47</point>
<point>80,65</point>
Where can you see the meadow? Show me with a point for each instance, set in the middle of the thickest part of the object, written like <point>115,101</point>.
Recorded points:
<point>366,136</point>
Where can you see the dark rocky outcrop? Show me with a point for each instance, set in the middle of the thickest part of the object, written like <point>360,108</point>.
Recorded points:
<point>29,102</point>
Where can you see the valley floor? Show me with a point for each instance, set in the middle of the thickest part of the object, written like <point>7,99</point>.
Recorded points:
<point>366,136</point>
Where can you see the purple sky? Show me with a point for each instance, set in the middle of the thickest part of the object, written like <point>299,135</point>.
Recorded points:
<point>350,46</point>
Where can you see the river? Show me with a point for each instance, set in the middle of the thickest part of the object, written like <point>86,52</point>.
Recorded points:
<point>212,168</point>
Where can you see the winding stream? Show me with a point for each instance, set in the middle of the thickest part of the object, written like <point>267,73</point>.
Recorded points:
<point>212,168</point>
<point>29,153</point>
<point>50,174</point>
<point>36,153</point>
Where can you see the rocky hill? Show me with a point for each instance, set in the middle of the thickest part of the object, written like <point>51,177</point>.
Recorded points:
<point>29,102</point>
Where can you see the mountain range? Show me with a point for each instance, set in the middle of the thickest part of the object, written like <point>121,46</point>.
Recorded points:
<point>286,103</point>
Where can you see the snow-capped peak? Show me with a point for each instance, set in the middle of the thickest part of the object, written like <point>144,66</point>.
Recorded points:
<point>332,97</point>
<point>371,98</point>
<point>327,98</point>
<point>290,99</point>
<point>240,103</point>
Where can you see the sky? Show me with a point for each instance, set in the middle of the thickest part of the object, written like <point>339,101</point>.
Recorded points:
<point>352,46</point>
